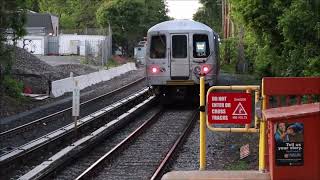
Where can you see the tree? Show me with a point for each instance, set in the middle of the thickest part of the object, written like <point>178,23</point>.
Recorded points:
<point>85,13</point>
<point>60,8</point>
<point>73,14</point>
<point>33,5</point>
<point>131,19</point>
<point>284,35</point>
<point>12,19</point>
<point>126,20</point>
<point>210,14</point>
<point>12,14</point>
<point>155,12</point>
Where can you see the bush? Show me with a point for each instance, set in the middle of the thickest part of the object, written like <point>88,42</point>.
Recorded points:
<point>313,68</point>
<point>12,87</point>
<point>228,55</point>
<point>112,63</point>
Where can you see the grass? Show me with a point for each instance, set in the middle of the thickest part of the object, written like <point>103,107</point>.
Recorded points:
<point>13,87</point>
<point>249,79</point>
<point>83,61</point>
<point>238,165</point>
<point>228,68</point>
<point>112,63</point>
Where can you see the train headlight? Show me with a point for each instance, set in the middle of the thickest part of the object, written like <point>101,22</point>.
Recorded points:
<point>154,70</point>
<point>205,69</point>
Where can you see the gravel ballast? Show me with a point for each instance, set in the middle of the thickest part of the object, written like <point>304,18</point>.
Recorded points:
<point>12,113</point>
<point>222,148</point>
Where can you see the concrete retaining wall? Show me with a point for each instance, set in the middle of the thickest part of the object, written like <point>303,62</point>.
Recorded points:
<point>62,86</point>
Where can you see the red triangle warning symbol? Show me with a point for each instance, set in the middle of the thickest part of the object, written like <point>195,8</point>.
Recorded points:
<point>239,110</point>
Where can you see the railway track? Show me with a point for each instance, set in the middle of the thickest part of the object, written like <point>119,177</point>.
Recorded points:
<point>43,147</point>
<point>22,134</point>
<point>145,153</point>
<point>142,154</point>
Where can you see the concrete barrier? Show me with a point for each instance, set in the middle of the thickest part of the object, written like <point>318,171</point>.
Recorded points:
<point>62,86</point>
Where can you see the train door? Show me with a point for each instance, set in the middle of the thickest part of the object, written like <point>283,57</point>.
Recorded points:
<point>179,58</point>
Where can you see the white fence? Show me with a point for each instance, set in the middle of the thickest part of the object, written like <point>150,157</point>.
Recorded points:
<point>76,44</point>
<point>62,86</point>
<point>35,44</point>
<point>96,46</point>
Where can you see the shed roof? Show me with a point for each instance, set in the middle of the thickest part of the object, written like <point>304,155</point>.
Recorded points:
<point>176,25</point>
<point>39,20</point>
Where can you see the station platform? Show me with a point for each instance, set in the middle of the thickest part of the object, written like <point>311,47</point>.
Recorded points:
<point>216,175</point>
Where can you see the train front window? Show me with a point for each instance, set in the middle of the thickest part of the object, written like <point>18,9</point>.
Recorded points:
<point>200,46</point>
<point>179,46</point>
<point>158,47</point>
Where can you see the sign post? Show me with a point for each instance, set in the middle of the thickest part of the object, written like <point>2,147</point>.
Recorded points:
<point>225,108</point>
<point>75,103</point>
<point>202,125</point>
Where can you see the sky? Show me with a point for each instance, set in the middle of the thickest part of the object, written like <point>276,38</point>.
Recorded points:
<point>182,9</point>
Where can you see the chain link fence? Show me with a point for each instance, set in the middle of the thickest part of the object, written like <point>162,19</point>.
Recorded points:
<point>98,52</point>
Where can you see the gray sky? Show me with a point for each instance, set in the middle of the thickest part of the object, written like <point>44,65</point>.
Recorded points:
<point>182,9</point>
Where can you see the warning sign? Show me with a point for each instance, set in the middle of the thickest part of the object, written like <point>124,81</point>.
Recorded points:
<point>229,108</point>
<point>239,110</point>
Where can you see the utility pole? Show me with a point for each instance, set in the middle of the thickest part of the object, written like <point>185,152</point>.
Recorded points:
<point>227,25</point>
<point>222,17</point>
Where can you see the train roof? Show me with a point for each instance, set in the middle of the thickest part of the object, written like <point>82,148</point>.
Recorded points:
<point>180,25</point>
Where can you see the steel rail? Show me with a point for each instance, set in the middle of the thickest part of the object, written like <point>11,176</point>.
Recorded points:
<point>88,173</point>
<point>24,126</point>
<point>77,147</point>
<point>173,149</point>
<point>63,131</point>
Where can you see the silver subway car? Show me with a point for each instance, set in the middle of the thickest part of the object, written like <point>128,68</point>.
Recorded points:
<point>178,51</point>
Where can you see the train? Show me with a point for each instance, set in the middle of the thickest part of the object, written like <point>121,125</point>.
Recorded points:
<point>177,52</point>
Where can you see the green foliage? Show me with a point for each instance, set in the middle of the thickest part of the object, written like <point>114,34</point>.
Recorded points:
<point>126,20</point>
<point>155,12</point>
<point>73,14</point>
<point>281,37</point>
<point>111,63</point>
<point>209,14</point>
<point>6,61</point>
<point>238,165</point>
<point>130,20</point>
<point>12,87</point>
<point>313,67</point>
<point>228,55</point>
<point>231,46</point>
<point>12,18</point>
<point>33,5</point>
<point>228,68</point>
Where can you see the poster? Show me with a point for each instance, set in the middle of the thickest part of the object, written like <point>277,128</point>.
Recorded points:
<point>289,144</point>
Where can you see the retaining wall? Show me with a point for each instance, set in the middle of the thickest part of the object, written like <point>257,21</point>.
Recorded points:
<point>62,86</point>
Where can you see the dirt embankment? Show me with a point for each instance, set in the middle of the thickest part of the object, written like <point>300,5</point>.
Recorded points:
<point>36,74</point>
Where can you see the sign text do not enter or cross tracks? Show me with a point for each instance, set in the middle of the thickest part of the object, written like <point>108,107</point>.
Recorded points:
<point>232,108</point>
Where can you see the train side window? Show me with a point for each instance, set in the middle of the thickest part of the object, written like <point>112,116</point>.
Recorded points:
<point>179,46</point>
<point>158,47</point>
<point>200,46</point>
